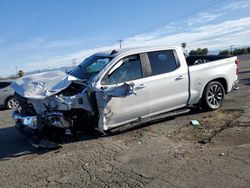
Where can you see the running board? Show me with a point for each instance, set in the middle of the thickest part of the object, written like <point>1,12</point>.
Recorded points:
<point>141,121</point>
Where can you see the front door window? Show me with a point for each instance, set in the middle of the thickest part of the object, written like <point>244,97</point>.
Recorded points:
<point>130,69</point>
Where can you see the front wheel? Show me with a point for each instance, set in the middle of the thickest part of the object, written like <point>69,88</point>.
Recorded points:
<point>213,96</point>
<point>12,103</point>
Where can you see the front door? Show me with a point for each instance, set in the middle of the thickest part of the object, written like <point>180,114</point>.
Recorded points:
<point>124,97</point>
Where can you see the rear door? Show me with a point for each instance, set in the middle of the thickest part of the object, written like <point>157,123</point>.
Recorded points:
<point>168,82</point>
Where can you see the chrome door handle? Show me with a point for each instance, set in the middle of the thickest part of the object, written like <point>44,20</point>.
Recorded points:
<point>179,78</point>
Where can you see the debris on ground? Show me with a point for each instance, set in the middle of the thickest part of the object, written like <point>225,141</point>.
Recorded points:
<point>195,123</point>
<point>203,131</point>
<point>44,143</point>
<point>205,141</point>
<point>222,154</point>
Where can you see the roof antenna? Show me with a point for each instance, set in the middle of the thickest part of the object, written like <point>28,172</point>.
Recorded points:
<point>113,52</point>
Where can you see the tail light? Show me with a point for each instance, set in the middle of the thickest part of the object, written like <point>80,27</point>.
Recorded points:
<point>237,62</point>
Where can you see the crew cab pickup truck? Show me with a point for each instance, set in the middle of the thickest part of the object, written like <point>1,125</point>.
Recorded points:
<point>118,89</point>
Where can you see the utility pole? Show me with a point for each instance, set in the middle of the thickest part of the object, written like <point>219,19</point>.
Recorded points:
<point>231,47</point>
<point>73,62</point>
<point>184,45</point>
<point>120,43</point>
<point>16,69</point>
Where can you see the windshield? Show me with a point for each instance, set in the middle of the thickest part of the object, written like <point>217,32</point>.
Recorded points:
<point>90,67</point>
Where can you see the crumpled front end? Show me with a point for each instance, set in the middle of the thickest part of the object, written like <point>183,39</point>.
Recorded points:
<point>47,112</point>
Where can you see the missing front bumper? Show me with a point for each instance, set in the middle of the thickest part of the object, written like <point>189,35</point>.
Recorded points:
<point>27,125</point>
<point>30,125</point>
<point>28,121</point>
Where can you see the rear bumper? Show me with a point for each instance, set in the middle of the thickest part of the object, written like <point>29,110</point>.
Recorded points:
<point>235,85</point>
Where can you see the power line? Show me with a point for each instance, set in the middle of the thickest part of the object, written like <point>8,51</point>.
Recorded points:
<point>222,40</point>
<point>187,14</point>
<point>223,34</point>
<point>197,10</point>
<point>194,11</point>
<point>228,38</point>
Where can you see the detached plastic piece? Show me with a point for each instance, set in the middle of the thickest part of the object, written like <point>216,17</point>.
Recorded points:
<point>194,122</point>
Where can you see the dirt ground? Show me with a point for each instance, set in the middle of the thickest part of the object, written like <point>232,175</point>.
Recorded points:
<point>170,153</point>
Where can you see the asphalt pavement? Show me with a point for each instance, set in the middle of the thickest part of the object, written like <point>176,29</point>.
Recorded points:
<point>169,153</point>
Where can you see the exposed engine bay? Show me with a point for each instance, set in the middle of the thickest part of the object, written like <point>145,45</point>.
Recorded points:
<point>65,112</point>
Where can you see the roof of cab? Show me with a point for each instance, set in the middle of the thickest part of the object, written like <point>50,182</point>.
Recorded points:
<point>117,52</point>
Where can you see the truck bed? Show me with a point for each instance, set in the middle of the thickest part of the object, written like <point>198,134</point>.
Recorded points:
<point>203,69</point>
<point>194,60</point>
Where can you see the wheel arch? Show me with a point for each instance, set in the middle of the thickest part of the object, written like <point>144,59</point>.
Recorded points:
<point>221,80</point>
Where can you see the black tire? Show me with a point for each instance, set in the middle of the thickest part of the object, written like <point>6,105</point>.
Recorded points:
<point>11,103</point>
<point>213,96</point>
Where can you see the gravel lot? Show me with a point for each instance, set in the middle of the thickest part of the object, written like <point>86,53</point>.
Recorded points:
<point>170,153</point>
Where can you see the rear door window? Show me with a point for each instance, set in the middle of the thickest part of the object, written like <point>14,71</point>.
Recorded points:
<point>162,62</point>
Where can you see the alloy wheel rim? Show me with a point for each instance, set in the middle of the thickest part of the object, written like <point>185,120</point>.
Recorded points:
<point>12,103</point>
<point>215,96</point>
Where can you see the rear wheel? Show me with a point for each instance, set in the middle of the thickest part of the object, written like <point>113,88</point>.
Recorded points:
<point>12,103</point>
<point>213,96</point>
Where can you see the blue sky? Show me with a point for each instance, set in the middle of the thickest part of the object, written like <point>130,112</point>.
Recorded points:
<point>47,34</point>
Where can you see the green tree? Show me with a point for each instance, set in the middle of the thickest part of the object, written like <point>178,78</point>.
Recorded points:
<point>248,50</point>
<point>199,51</point>
<point>20,73</point>
<point>239,51</point>
<point>224,52</point>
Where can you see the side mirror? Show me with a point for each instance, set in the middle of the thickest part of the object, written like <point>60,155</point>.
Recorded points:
<point>120,91</point>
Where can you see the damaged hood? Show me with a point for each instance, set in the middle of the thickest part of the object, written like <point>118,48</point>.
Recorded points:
<point>42,85</point>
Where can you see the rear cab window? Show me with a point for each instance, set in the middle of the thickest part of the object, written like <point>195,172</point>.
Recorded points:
<point>163,61</point>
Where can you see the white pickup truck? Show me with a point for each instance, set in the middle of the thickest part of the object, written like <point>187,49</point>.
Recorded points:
<point>120,89</point>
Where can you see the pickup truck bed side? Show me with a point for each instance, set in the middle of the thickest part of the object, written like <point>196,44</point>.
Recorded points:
<point>223,70</point>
